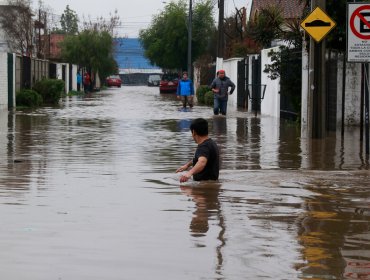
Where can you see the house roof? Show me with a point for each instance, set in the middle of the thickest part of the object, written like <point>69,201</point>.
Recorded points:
<point>290,8</point>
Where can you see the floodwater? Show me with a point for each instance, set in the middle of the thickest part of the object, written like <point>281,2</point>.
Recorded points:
<point>88,191</point>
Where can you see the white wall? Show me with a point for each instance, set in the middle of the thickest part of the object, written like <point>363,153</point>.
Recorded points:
<point>3,80</point>
<point>60,75</point>
<point>270,105</point>
<point>74,77</point>
<point>305,94</point>
<point>352,97</point>
<point>231,70</point>
<point>3,135</point>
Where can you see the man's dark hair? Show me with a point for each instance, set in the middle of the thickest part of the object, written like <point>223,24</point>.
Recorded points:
<point>200,126</point>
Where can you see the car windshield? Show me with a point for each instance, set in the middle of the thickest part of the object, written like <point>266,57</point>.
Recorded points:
<point>154,78</point>
<point>114,77</point>
<point>170,77</point>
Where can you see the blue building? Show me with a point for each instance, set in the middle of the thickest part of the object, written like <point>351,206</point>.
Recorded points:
<point>134,67</point>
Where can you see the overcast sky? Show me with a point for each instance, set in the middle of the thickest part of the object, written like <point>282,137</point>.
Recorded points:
<point>134,14</point>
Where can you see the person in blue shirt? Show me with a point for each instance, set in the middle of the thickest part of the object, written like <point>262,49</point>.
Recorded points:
<point>79,81</point>
<point>185,90</point>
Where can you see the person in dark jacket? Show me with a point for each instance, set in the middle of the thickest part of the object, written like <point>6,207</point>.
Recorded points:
<point>205,164</point>
<point>220,87</point>
<point>185,90</point>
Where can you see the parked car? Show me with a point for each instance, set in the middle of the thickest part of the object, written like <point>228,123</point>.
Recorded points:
<point>154,80</point>
<point>113,81</point>
<point>168,83</point>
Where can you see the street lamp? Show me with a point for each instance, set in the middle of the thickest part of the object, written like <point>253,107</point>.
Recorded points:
<point>190,37</point>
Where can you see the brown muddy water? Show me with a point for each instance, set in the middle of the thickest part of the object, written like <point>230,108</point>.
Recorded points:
<point>88,191</point>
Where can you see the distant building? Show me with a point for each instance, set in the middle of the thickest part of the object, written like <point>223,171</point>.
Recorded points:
<point>52,47</point>
<point>291,9</point>
<point>134,67</point>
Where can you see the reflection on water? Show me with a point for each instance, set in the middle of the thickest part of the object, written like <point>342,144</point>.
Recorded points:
<point>88,191</point>
<point>207,208</point>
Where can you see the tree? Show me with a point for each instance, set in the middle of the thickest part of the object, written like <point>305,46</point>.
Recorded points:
<point>92,49</point>
<point>234,30</point>
<point>17,24</point>
<point>69,21</point>
<point>165,41</point>
<point>267,26</point>
<point>101,24</point>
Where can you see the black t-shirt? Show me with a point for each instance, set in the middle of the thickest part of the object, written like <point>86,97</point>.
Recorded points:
<point>209,150</point>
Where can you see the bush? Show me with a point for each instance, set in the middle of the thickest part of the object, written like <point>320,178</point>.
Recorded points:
<point>75,92</point>
<point>208,98</point>
<point>51,90</point>
<point>201,91</point>
<point>28,98</point>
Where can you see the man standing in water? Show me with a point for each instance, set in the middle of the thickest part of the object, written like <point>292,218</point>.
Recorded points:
<point>220,87</point>
<point>206,161</point>
<point>185,90</point>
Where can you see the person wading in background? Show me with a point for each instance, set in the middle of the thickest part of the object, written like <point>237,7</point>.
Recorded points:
<point>185,90</point>
<point>220,87</point>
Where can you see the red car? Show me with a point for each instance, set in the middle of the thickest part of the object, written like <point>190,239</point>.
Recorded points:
<point>168,83</point>
<point>113,81</point>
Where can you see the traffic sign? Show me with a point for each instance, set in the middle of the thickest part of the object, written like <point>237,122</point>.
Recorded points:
<point>358,32</point>
<point>318,24</point>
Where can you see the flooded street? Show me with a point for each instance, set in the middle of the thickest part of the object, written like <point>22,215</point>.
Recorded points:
<point>88,190</point>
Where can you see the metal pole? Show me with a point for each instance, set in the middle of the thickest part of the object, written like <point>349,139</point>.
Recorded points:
<point>367,108</point>
<point>190,37</point>
<point>319,83</point>
<point>220,49</point>
<point>362,102</point>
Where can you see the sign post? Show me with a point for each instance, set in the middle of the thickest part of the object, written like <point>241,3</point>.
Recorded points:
<point>358,50</point>
<point>318,24</point>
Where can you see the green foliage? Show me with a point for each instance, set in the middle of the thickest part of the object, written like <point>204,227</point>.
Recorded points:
<point>208,98</point>
<point>91,48</point>
<point>165,41</point>
<point>267,25</point>
<point>201,91</point>
<point>51,90</point>
<point>28,98</point>
<point>75,92</point>
<point>69,21</point>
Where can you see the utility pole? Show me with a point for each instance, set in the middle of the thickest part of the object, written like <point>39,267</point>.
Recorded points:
<point>190,37</point>
<point>220,45</point>
<point>318,82</point>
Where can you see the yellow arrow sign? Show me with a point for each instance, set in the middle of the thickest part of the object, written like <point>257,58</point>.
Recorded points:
<point>318,24</point>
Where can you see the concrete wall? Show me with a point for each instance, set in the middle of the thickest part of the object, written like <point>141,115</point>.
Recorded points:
<point>60,75</point>
<point>231,70</point>
<point>270,105</point>
<point>3,81</point>
<point>352,97</point>
<point>74,77</point>
<point>39,70</point>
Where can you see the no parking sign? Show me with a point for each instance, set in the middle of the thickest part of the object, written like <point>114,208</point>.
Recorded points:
<point>358,32</point>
